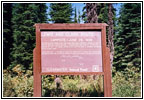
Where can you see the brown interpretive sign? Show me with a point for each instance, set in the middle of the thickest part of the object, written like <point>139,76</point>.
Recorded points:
<point>71,49</point>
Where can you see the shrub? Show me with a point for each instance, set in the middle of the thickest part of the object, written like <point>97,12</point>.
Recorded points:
<point>127,83</point>
<point>17,82</point>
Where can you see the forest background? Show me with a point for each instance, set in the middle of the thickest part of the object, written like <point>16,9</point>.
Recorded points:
<point>123,39</point>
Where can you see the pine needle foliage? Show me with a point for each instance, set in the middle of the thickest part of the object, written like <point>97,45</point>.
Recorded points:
<point>24,17</point>
<point>128,38</point>
<point>61,12</point>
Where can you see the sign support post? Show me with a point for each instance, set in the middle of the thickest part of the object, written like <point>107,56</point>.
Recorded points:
<point>106,66</point>
<point>37,65</point>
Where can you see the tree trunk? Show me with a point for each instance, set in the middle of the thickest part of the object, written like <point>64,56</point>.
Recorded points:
<point>110,32</point>
<point>91,9</point>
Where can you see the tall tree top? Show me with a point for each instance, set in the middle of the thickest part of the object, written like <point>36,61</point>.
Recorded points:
<point>61,12</point>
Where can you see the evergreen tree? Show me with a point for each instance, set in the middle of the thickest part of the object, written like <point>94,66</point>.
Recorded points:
<point>61,12</point>
<point>128,39</point>
<point>84,14</point>
<point>79,16</point>
<point>102,11</point>
<point>75,16</point>
<point>41,12</point>
<point>7,33</point>
<point>24,17</point>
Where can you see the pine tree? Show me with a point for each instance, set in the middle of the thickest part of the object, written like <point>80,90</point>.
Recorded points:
<point>41,12</point>
<point>7,33</point>
<point>84,14</point>
<point>75,16</point>
<point>24,17</point>
<point>102,11</point>
<point>128,39</point>
<point>79,16</point>
<point>61,12</point>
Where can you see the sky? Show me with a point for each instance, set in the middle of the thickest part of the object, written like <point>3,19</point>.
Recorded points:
<point>79,6</point>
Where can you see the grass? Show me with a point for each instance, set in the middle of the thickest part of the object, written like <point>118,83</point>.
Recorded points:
<point>75,88</point>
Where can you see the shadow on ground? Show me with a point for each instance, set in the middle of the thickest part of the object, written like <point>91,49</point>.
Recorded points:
<point>67,93</point>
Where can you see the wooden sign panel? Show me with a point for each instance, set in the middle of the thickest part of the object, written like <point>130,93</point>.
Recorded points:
<point>71,51</point>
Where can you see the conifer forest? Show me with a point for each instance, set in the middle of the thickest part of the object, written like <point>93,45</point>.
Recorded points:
<point>123,36</point>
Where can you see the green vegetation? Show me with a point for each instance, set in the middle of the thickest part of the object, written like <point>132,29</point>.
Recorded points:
<point>75,16</point>
<point>127,57</point>
<point>17,82</point>
<point>128,38</point>
<point>72,88</point>
<point>127,84</point>
<point>61,12</point>
<point>24,16</point>
<point>19,42</point>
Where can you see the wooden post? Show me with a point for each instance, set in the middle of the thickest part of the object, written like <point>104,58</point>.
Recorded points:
<point>103,32</point>
<point>108,74</point>
<point>106,65</point>
<point>37,65</point>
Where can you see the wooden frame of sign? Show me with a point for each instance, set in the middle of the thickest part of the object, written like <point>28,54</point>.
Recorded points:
<point>37,69</point>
